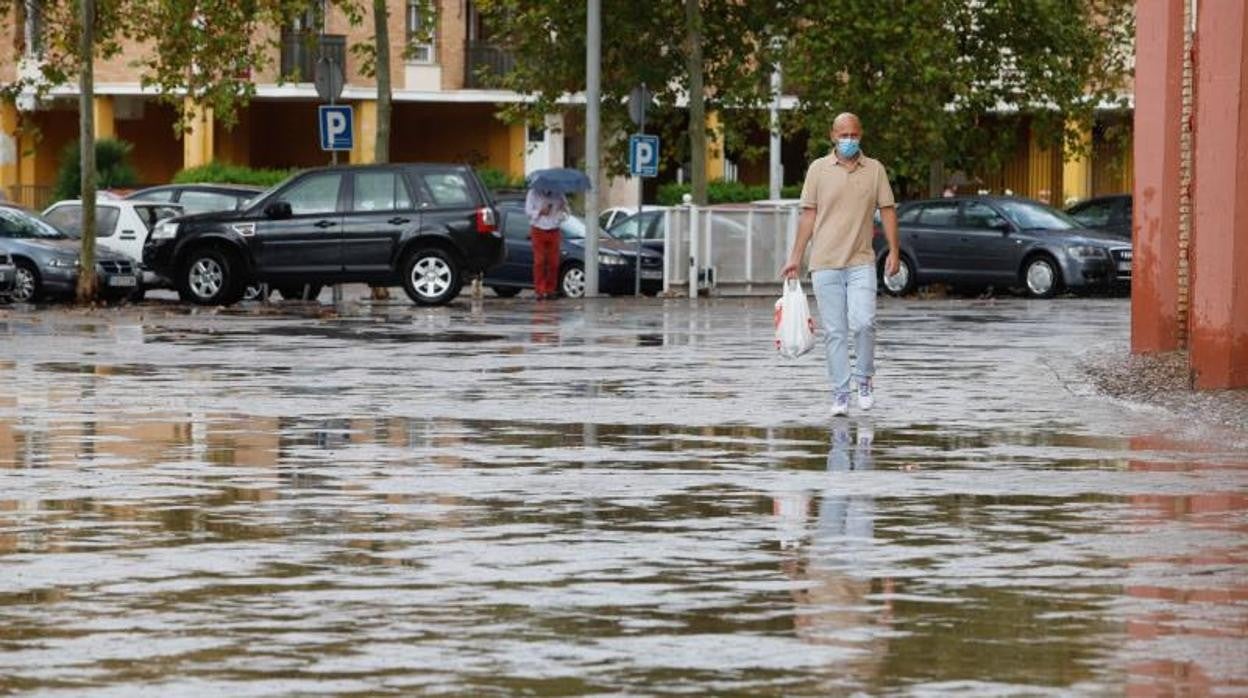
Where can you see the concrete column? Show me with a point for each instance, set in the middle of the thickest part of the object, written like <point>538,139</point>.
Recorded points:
<point>1155,318</point>
<point>1077,172</point>
<point>714,148</point>
<point>10,171</point>
<point>365,150</point>
<point>197,142</point>
<point>1219,309</point>
<point>105,123</point>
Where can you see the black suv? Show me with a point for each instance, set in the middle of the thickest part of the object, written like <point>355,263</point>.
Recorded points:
<point>424,226</point>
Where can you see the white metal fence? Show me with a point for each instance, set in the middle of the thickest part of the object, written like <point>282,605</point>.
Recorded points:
<point>735,249</point>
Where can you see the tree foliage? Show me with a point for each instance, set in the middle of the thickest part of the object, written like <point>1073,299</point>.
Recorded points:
<point>112,165</point>
<point>931,79</point>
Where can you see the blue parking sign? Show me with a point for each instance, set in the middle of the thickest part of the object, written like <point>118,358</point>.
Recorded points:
<point>643,155</point>
<point>337,127</point>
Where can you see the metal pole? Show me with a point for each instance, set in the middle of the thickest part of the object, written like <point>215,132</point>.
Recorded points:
<point>593,98</point>
<point>667,245</point>
<point>641,195</point>
<point>776,172</point>
<point>693,252</point>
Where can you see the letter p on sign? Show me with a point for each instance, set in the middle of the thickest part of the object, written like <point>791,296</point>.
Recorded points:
<point>336,126</point>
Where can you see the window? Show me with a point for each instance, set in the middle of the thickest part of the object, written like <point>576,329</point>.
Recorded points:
<point>981,216</point>
<point>942,215</point>
<point>154,214</point>
<point>516,226</point>
<point>206,201</point>
<point>627,228</point>
<point>909,215</point>
<point>447,189</point>
<point>421,25</point>
<point>14,224</point>
<point>380,191</point>
<point>1033,216</point>
<point>69,219</point>
<point>315,194</point>
<point>1095,214</point>
<point>32,32</point>
<point>158,195</point>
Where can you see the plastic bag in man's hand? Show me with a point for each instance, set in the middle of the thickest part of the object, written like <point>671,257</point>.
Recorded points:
<point>795,329</point>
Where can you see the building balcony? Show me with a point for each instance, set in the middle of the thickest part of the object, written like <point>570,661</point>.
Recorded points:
<point>486,65</point>
<point>301,51</point>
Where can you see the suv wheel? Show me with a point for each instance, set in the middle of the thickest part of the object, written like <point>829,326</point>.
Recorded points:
<point>431,276</point>
<point>208,278</point>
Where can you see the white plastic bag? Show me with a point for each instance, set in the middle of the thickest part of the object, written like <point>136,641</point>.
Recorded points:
<point>795,328</point>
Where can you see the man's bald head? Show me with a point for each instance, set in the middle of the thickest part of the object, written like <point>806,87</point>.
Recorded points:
<point>846,125</point>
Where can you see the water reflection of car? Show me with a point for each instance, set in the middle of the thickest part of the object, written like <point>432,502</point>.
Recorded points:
<point>1109,213</point>
<point>46,260</point>
<point>617,261</point>
<point>1003,241</point>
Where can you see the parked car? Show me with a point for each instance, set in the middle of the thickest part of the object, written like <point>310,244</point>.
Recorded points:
<point>8,274</point>
<point>648,223</point>
<point>1110,213</point>
<point>610,216</point>
<point>200,198</point>
<point>120,225</point>
<point>424,226</point>
<point>46,260</point>
<point>617,261</point>
<point>997,240</point>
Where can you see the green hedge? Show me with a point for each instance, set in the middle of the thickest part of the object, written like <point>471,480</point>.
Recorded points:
<point>222,173</point>
<point>721,192</point>
<point>495,179</point>
<point>112,168</point>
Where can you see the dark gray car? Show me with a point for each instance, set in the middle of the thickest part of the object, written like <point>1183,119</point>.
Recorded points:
<point>1002,241</point>
<point>1109,213</point>
<point>45,260</point>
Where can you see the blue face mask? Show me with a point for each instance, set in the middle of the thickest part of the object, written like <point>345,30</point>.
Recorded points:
<point>847,147</point>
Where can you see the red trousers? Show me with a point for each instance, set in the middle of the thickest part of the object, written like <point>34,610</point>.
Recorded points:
<point>545,260</point>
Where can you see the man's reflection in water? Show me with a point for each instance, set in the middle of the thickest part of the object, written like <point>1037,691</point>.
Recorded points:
<point>834,607</point>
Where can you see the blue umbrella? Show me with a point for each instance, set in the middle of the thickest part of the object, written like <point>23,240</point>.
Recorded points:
<point>560,180</point>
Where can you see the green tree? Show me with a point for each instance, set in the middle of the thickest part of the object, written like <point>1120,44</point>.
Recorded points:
<point>660,44</point>
<point>112,166</point>
<point>932,78</point>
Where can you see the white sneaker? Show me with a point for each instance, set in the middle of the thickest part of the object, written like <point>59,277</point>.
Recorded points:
<point>866,397</point>
<point>840,405</point>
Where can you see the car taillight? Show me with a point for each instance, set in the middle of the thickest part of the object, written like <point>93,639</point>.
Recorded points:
<point>486,222</point>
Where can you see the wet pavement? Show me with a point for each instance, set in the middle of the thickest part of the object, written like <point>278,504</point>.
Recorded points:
<point>616,497</point>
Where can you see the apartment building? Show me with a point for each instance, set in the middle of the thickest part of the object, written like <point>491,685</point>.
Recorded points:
<point>441,109</point>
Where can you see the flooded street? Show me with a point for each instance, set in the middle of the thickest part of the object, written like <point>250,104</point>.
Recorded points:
<point>615,497</point>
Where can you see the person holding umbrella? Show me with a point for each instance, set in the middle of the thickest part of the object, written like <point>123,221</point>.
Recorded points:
<point>546,205</point>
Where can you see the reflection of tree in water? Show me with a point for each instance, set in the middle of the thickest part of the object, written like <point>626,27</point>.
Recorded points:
<point>835,608</point>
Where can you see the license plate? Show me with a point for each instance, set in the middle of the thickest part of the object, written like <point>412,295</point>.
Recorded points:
<point>1124,266</point>
<point>123,281</point>
<point>652,275</point>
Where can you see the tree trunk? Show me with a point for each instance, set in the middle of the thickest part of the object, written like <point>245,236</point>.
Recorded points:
<point>697,102</point>
<point>87,281</point>
<point>381,27</point>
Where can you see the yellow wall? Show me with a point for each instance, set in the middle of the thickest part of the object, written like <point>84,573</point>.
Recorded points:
<point>470,133</point>
<point>157,152</point>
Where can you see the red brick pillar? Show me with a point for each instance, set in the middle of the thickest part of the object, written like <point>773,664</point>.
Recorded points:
<point>1155,313</point>
<point>1219,311</point>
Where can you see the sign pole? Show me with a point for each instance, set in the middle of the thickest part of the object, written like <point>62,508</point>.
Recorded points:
<point>641,197</point>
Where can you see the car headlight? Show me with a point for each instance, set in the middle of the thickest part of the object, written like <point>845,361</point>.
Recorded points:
<point>612,260</point>
<point>165,231</point>
<point>63,262</point>
<point>1087,252</point>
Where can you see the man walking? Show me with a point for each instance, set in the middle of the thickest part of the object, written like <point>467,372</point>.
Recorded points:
<point>546,210</point>
<point>839,200</point>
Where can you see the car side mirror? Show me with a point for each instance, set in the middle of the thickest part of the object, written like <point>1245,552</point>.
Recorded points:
<point>278,209</point>
<point>1002,226</point>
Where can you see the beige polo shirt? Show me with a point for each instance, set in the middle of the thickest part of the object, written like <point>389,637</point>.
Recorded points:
<point>845,201</point>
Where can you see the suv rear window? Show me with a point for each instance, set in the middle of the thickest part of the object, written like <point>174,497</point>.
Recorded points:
<point>446,188</point>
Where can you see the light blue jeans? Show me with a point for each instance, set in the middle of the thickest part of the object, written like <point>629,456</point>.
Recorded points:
<point>846,299</point>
